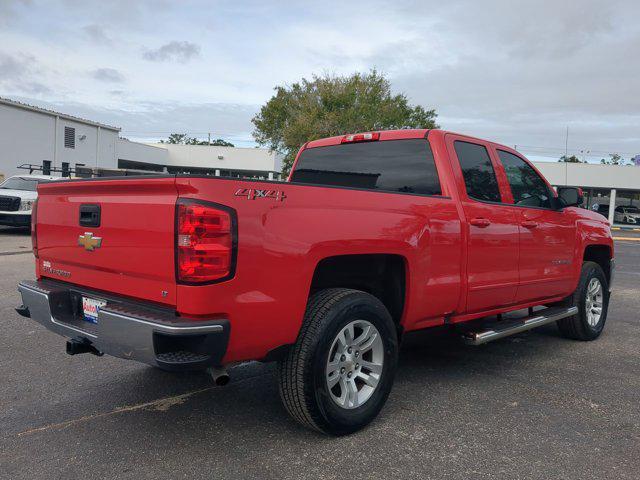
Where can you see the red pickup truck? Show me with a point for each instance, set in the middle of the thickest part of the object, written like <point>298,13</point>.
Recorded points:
<point>373,235</point>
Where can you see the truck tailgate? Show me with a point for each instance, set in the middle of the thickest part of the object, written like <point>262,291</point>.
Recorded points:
<point>130,252</point>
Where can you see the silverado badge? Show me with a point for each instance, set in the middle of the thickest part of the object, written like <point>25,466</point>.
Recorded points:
<point>89,242</point>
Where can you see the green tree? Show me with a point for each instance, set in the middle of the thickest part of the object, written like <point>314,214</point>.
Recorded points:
<point>184,139</point>
<point>331,105</point>
<point>614,159</point>
<point>571,159</point>
<point>176,139</point>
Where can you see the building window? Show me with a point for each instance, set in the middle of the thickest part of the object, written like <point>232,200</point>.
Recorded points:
<point>69,137</point>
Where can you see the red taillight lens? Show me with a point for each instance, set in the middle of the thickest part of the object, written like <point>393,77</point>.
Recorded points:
<point>361,137</point>
<point>205,243</point>
<point>34,221</point>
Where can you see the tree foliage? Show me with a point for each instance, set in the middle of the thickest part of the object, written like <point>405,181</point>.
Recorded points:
<point>332,105</point>
<point>614,159</point>
<point>184,139</point>
<point>569,159</point>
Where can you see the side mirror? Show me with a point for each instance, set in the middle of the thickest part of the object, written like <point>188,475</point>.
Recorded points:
<point>570,197</point>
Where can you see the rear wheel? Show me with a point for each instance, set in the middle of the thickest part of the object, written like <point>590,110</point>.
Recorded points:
<point>338,375</point>
<point>592,299</point>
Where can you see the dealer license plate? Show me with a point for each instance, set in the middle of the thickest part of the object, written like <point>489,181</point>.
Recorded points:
<point>91,307</point>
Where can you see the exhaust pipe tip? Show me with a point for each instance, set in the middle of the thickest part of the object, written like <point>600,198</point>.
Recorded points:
<point>75,348</point>
<point>219,375</point>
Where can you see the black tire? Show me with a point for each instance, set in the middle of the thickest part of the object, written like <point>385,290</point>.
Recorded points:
<point>303,387</point>
<point>577,327</point>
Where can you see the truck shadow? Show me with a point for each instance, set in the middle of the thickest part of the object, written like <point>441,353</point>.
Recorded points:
<point>15,231</point>
<point>201,419</point>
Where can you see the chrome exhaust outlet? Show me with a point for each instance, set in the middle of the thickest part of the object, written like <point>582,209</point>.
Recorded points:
<point>219,375</point>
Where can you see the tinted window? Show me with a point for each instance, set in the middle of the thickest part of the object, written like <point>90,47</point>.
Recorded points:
<point>479,176</point>
<point>527,187</point>
<point>392,165</point>
<point>18,183</point>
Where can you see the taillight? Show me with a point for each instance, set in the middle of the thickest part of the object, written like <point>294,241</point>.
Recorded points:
<point>34,221</point>
<point>361,137</point>
<point>205,242</point>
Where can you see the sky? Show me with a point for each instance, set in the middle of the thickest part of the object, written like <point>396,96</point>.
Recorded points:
<point>518,73</point>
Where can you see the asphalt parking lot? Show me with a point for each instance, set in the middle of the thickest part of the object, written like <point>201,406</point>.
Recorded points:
<point>532,406</point>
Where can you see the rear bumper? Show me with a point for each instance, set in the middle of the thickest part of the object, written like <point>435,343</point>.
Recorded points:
<point>15,220</point>
<point>126,329</point>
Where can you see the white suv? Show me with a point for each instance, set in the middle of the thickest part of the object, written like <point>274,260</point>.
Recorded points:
<point>17,195</point>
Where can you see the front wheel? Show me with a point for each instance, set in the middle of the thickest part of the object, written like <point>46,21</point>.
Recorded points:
<point>592,299</point>
<point>338,375</point>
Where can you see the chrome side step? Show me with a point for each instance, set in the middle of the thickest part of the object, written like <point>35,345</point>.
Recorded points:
<point>548,315</point>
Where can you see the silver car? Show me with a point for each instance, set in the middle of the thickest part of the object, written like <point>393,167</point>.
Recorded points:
<point>627,214</point>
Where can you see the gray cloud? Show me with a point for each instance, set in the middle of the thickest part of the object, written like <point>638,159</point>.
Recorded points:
<point>515,72</point>
<point>97,34</point>
<point>174,51</point>
<point>19,73</point>
<point>9,9</point>
<point>110,75</point>
<point>155,120</point>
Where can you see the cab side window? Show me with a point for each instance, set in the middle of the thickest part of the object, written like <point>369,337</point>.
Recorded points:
<point>528,189</point>
<point>477,170</point>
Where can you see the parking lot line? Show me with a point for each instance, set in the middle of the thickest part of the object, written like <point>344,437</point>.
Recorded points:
<point>629,239</point>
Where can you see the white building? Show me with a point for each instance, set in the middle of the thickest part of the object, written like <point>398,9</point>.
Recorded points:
<point>610,186</point>
<point>33,135</point>
<point>221,161</point>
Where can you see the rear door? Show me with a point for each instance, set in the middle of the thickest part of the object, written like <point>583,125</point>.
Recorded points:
<point>547,236</point>
<point>110,235</point>
<point>492,235</point>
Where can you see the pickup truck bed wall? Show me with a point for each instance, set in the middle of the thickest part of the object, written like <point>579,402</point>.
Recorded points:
<point>425,259</point>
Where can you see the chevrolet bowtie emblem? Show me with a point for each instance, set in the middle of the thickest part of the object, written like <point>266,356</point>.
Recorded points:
<point>89,242</point>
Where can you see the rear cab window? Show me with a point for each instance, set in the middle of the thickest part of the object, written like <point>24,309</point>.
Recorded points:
<point>478,172</point>
<point>400,166</point>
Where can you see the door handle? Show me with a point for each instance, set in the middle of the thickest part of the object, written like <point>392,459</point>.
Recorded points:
<point>529,224</point>
<point>480,222</point>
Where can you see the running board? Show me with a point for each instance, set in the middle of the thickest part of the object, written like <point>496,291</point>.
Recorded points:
<point>548,315</point>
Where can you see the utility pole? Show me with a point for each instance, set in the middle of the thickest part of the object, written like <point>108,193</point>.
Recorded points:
<point>209,138</point>
<point>566,153</point>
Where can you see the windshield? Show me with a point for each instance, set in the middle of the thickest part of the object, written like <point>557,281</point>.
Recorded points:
<point>20,183</point>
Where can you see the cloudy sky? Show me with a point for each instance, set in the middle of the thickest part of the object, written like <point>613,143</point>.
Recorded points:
<point>515,72</point>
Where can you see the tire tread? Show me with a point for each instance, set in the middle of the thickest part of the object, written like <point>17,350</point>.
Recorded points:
<point>291,370</point>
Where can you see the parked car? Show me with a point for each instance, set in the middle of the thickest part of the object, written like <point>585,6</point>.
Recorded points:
<point>374,235</point>
<point>602,209</point>
<point>17,195</point>
<point>627,214</point>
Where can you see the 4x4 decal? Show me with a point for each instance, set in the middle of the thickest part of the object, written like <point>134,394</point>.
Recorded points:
<point>253,193</point>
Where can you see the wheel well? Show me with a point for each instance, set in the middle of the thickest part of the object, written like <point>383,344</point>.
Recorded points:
<point>600,254</point>
<point>380,275</point>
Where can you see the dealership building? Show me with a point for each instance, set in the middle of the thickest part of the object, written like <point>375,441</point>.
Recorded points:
<point>37,136</point>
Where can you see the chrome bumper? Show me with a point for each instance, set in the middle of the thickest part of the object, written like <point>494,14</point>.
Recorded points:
<point>126,329</point>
